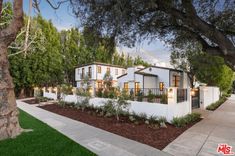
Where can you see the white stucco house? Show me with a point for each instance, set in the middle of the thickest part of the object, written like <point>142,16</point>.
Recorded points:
<point>153,78</point>
<point>95,72</point>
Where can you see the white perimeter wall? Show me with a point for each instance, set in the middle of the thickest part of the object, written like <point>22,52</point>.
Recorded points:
<point>208,95</point>
<point>170,110</point>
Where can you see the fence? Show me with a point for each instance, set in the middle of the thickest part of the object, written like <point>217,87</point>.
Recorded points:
<point>171,110</point>
<point>181,95</point>
<point>147,94</point>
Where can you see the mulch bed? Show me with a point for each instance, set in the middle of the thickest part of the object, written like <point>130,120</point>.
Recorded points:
<point>31,101</point>
<point>155,137</point>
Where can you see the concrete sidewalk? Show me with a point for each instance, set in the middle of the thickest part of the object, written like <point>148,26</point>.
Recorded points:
<point>203,138</point>
<point>98,141</point>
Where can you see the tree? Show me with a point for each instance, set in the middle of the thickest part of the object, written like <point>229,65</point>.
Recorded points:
<point>206,68</point>
<point>42,65</point>
<point>9,124</point>
<point>71,53</point>
<point>177,22</point>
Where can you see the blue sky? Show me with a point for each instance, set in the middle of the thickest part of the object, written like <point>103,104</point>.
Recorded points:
<point>63,18</point>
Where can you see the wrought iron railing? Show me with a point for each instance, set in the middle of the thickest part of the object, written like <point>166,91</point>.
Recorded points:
<point>155,95</point>
<point>182,95</point>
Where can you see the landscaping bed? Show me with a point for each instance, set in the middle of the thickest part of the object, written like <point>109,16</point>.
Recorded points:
<point>37,100</point>
<point>139,130</point>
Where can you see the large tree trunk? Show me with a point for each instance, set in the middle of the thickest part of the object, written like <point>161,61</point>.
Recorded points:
<point>9,124</point>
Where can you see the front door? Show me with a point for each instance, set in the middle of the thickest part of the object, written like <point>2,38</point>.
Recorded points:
<point>195,98</point>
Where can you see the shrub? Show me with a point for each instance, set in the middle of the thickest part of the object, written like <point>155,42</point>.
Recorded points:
<point>100,92</point>
<point>215,105</point>
<point>150,96</point>
<point>162,119</point>
<point>112,94</point>
<point>140,96</point>
<point>179,121</point>
<point>164,98</point>
<point>83,104</point>
<point>109,107</point>
<point>153,119</point>
<point>192,117</point>
<point>187,119</point>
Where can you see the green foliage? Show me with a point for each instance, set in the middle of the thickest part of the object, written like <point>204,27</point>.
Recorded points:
<point>43,63</point>
<point>187,119</point>
<point>150,96</point>
<point>162,119</point>
<point>207,69</point>
<point>6,15</point>
<point>83,104</point>
<point>215,105</point>
<point>140,96</point>
<point>71,51</point>
<point>109,107</point>
<point>164,99</point>
<point>116,106</point>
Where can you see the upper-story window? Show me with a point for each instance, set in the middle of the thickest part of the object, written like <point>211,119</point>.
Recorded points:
<point>83,73</point>
<point>99,69</point>
<point>175,80</point>
<point>116,71</point>
<point>123,71</point>
<point>89,72</point>
<point>108,70</point>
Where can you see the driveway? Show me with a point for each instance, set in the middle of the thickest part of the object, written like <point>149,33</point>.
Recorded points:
<point>203,138</point>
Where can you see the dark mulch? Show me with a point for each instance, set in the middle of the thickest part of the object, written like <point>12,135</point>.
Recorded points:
<point>31,101</point>
<point>155,137</point>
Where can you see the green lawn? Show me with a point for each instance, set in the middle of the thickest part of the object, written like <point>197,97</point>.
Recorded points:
<point>43,141</point>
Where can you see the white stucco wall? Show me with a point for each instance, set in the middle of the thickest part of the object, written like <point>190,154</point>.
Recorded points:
<point>170,110</point>
<point>50,95</point>
<point>151,82</point>
<point>208,95</point>
<point>163,74</point>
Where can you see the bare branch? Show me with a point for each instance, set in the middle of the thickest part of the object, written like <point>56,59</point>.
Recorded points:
<point>57,5</point>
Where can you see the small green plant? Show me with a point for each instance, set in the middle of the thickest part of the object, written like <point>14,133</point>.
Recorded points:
<point>109,107</point>
<point>192,117</point>
<point>215,105</point>
<point>162,119</point>
<point>83,104</point>
<point>153,119</point>
<point>164,99</point>
<point>100,92</point>
<point>140,96</point>
<point>142,116</point>
<point>179,121</point>
<point>187,119</point>
<point>150,96</point>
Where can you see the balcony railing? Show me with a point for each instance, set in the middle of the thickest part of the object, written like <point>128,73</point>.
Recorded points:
<point>88,74</point>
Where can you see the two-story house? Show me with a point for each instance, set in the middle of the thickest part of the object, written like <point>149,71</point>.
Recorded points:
<point>95,72</point>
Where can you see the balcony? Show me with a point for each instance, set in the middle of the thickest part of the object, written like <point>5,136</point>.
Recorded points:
<point>87,75</point>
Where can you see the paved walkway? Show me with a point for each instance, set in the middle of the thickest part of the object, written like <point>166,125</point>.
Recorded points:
<point>203,138</point>
<point>99,141</point>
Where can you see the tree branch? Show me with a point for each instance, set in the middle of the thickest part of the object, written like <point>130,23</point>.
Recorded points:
<point>1,8</point>
<point>8,34</point>
<point>56,6</point>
